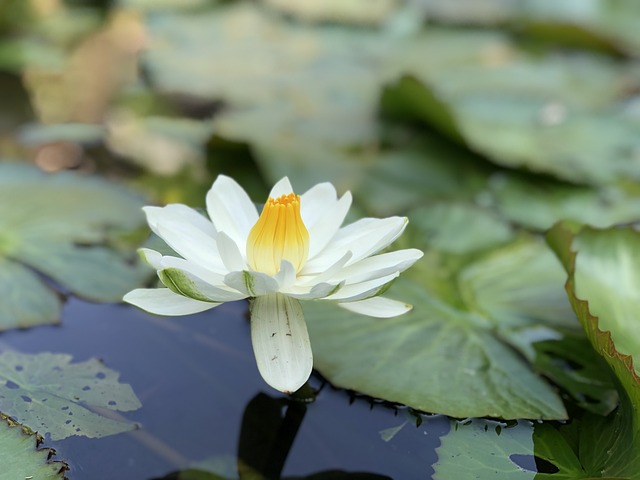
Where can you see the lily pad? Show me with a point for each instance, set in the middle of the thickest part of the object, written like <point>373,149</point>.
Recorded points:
<point>537,204</point>
<point>56,397</point>
<point>64,226</point>
<point>549,128</point>
<point>483,450</point>
<point>603,285</point>
<point>456,352</point>
<point>441,224</point>
<point>591,446</point>
<point>21,457</point>
<point>597,23</point>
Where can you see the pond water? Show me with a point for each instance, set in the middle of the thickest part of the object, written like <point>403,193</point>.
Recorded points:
<point>197,380</point>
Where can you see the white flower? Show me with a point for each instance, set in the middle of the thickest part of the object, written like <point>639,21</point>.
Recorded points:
<point>294,250</point>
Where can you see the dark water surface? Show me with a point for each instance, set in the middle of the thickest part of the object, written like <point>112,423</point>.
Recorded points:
<point>195,377</point>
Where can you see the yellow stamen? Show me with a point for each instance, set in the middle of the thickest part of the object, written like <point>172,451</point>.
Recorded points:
<point>279,234</point>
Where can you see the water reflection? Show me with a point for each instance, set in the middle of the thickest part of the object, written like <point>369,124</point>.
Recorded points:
<point>269,428</point>
<point>204,404</point>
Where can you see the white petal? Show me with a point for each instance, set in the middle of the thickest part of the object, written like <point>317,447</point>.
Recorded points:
<point>162,301</point>
<point>378,266</point>
<point>209,276</point>
<point>281,342</point>
<point>229,253</point>
<point>191,243</point>
<point>320,290</point>
<point>176,212</point>
<point>283,187</point>
<point>328,272</point>
<point>231,210</point>
<point>378,307</point>
<point>252,284</point>
<point>314,202</point>
<point>360,291</point>
<point>363,238</point>
<point>326,226</point>
<point>286,277</point>
<point>151,257</point>
<point>187,284</point>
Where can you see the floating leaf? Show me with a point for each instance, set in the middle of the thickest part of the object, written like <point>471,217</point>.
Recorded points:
<point>571,362</point>
<point>600,24</point>
<point>61,225</point>
<point>21,457</point>
<point>603,285</point>
<point>552,128</point>
<point>454,353</point>
<point>590,446</point>
<point>537,204</point>
<point>359,12</point>
<point>444,223</point>
<point>61,399</point>
<point>483,450</point>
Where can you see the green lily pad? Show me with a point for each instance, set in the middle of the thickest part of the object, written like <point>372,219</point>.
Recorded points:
<point>441,224</point>
<point>537,205</point>
<point>590,446</point>
<point>571,362</point>
<point>21,457</point>
<point>483,450</point>
<point>358,12</point>
<point>598,24</point>
<point>455,353</point>
<point>603,285</point>
<point>552,128</point>
<point>64,226</point>
<point>61,399</point>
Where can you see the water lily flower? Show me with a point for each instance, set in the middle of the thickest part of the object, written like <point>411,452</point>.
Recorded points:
<point>294,250</point>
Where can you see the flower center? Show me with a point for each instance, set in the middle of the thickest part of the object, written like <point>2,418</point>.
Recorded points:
<point>279,234</point>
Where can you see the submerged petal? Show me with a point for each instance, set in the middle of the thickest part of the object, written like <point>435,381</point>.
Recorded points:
<point>162,301</point>
<point>378,307</point>
<point>281,342</point>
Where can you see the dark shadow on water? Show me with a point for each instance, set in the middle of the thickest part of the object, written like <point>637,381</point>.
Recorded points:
<point>205,403</point>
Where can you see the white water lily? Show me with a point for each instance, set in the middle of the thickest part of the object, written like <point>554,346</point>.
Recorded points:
<point>294,250</point>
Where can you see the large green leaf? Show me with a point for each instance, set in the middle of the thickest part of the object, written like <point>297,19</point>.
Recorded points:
<point>602,24</point>
<point>576,138</point>
<point>604,288</point>
<point>537,204</point>
<point>59,398</point>
<point>457,352</point>
<point>64,226</point>
<point>21,457</point>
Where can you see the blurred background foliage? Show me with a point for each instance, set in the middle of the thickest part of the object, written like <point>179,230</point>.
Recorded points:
<point>485,122</point>
<point>528,109</point>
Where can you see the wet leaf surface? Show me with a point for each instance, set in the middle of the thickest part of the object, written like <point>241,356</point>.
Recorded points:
<point>56,397</point>
<point>21,457</point>
<point>456,352</point>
